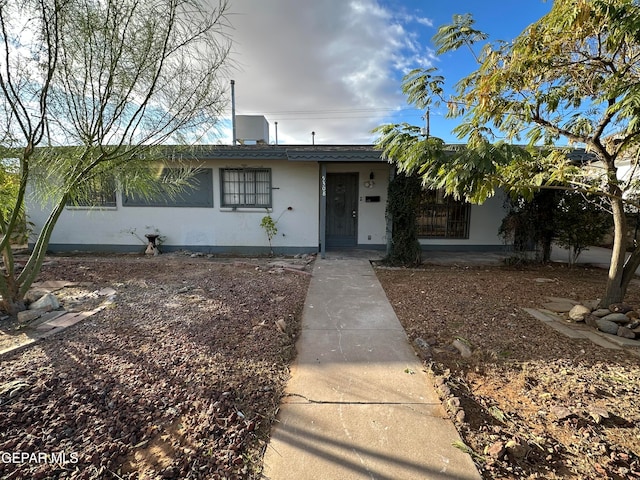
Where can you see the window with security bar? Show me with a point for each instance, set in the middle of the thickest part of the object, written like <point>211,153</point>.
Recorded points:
<point>245,187</point>
<point>441,216</point>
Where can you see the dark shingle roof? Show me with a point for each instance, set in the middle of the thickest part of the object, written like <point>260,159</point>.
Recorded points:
<point>299,153</point>
<point>320,153</point>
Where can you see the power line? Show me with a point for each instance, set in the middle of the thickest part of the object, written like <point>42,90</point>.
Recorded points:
<point>330,114</point>
<point>338,111</point>
<point>342,110</point>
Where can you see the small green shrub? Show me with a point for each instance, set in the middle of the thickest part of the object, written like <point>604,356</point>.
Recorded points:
<point>270,228</point>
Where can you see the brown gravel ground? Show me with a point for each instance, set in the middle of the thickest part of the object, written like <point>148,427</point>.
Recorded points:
<point>536,404</point>
<point>181,378</point>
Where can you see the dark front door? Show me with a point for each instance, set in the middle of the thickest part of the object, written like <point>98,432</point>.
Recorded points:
<point>342,210</point>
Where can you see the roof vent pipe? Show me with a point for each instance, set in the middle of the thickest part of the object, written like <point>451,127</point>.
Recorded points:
<point>276,133</point>
<point>233,112</point>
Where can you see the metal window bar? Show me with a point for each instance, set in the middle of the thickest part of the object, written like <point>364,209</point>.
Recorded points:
<point>246,187</point>
<point>447,220</point>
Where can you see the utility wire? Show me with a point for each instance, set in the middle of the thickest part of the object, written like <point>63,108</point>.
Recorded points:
<point>334,114</point>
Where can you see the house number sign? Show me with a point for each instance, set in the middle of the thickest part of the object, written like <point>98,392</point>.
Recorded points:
<point>324,185</point>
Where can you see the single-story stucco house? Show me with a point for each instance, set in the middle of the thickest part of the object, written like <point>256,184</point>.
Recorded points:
<point>321,197</point>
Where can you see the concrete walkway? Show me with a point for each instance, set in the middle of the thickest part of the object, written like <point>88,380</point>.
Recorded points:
<point>595,256</point>
<point>358,404</point>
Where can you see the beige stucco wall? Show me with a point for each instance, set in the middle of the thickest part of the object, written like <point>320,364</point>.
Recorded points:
<point>296,207</point>
<point>294,185</point>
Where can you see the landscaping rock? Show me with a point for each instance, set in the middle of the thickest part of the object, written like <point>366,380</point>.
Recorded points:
<point>617,318</point>
<point>106,292</point>
<point>561,413</point>
<point>34,295</point>
<point>496,450</point>
<point>46,301</point>
<point>591,320</point>
<point>578,313</point>
<point>453,403</point>
<point>620,307</point>
<point>633,315</point>
<point>559,306</point>
<point>601,312</point>
<point>445,390</point>
<point>625,332</point>
<point>597,413</point>
<point>27,316</point>
<point>592,304</point>
<point>462,347</point>
<point>517,449</point>
<point>607,326</point>
<point>283,264</point>
<point>422,348</point>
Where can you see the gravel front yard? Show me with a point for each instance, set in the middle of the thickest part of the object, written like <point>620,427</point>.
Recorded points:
<point>180,378</point>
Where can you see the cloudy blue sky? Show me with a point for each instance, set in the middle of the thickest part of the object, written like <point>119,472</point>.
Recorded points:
<point>334,66</point>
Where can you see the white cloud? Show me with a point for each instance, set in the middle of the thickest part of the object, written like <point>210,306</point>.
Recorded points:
<point>427,22</point>
<point>330,66</point>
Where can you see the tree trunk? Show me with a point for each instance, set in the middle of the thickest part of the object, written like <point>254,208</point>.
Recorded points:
<point>616,288</point>
<point>16,285</point>
<point>546,248</point>
<point>10,302</point>
<point>546,201</point>
<point>34,264</point>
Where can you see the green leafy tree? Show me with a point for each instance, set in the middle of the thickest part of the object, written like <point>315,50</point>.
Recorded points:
<point>89,91</point>
<point>572,76</point>
<point>572,219</point>
<point>579,222</point>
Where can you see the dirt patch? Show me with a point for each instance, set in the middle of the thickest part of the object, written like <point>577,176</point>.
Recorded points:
<point>529,402</point>
<point>181,377</point>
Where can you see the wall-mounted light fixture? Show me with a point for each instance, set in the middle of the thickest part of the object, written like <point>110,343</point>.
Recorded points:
<point>370,183</point>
